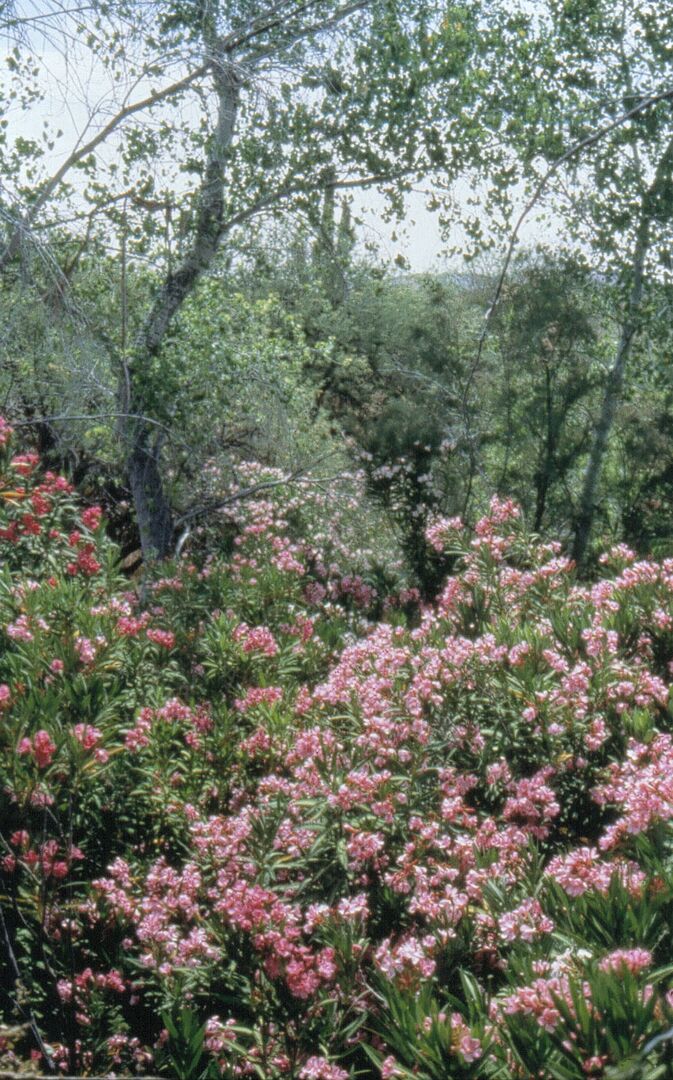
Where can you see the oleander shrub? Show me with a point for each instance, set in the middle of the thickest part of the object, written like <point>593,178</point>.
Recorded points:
<point>264,820</point>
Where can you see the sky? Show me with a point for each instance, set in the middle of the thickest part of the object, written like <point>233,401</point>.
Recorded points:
<point>72,85</point>
<point>419,240</point>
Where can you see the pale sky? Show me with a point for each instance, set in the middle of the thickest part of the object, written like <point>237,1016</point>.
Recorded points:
<point>72,86</point>
<point>420,241</point>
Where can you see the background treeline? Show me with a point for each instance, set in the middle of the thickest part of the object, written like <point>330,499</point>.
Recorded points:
<point>187,291</point>
<point>380,378</point>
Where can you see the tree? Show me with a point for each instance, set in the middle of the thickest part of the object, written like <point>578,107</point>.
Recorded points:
<point>593,131</point>
<point>392,384</point>
<point>656,208</point>
<point>546,366</point>
<point>295,99</point>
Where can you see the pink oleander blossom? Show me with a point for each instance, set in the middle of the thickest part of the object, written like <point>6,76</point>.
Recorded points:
<point>6,431</point>
<point>41,746</point>
<point>256,639</point>
<point>87,736</point>
<point>525,923</point>
<point>633,960</point>
<point>164,638</point>
<point>259,695</point>
<point>641,787</point>
<point>540,1000</point>
<point>319,1068</point>
<point>407,960</point>
<point>91,517</point>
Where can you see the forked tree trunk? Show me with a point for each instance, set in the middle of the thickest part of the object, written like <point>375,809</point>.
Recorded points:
<point>143,466</point>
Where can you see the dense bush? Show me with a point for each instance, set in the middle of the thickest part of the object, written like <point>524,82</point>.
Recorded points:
<point>272,822</point>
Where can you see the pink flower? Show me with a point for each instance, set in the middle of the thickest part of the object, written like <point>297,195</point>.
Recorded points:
<point>164,638</point>
<point>354,907</point>
<point>86,650</point>
<point>41,747</point>
<point>218,1034</point>
<point>20,630</point>
<point>642,786</point>
<point>24,464</point>
<point>442,531</point>
<point>540,1000</point>
<point>469,1048</point>
<point>5,431</point>
<point>259,695</point>
<point>533,804</point>
<point>525,923</point>
<point>86,735</point>
<point>319,1068</point>
<point>596,735</point>
<point>365,848</point>
<point>256,639</point>
<point>633,960</point>
<point>595,1064</point>
<point>130,626</point>
<point>581,870</point>
<point>91,517</point>
<point>407,959</point>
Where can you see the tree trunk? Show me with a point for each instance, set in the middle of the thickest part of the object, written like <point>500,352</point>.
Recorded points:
<point>154,516</point>
<point>650,208</point>
<point>545,471</point>
<point>611,398</point>
<point>153,511</point>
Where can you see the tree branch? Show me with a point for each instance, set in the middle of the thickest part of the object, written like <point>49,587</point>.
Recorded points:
<point>96,416</point>
<point>167,431</point>
<point>313,28</point>
<point>296,189</point>
<point>298,476</point>
<point>573,151</point>
<point>29,20</point>
<point>209,227</point>
<point>275,17</point>
<point>24,223</point>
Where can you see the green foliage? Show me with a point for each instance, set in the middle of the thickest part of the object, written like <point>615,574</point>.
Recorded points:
<point>248,827</point>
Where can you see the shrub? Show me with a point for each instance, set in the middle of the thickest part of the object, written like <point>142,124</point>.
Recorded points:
<point>250,830</point>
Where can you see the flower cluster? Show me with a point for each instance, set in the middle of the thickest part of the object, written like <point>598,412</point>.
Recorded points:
<point>247,828</point>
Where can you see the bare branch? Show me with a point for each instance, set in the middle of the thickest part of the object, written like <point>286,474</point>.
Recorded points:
<point>81,152</point>
<point>96,416</point>
<point>296,189</point>
<point>572,152</point>
<point>299,475</point>
<point>277,16</point>
<point>30,20</point>
<point>64,417</point>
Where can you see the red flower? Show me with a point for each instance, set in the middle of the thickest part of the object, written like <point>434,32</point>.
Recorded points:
<point>91,517</point>
<point>43,749</point>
